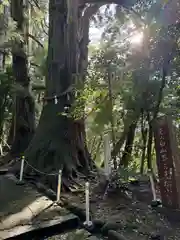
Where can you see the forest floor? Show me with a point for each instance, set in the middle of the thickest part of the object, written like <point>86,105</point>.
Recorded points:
<point>130,215</point>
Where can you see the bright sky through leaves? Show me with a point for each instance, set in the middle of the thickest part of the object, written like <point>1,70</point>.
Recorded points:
<point>168,14</point>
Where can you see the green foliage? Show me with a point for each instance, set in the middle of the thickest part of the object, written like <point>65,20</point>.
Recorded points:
<point>138,71</point>
<point>127,174</point>
<point>6,80</point>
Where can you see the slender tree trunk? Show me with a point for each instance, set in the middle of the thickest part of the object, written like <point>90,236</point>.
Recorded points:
<point>129,145</point>
<point>132,117</point>
<point>144,143</point>
<point>24,108</point>
<point>2,61</point>
<point>3,30</point>
<point>149,147</point>
<point>143,156</point>
<point>112,117</point>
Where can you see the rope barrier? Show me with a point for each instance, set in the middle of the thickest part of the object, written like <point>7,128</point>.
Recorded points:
<point>59,174</point>
<point>38,171</point>
<point>56,97</point>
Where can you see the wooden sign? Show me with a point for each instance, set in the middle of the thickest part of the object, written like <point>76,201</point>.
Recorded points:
<point>168,174</point>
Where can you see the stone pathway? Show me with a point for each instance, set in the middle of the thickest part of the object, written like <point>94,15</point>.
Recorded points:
<point>23,209</point>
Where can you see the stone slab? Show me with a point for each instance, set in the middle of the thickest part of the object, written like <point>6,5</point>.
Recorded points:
<point>33,228</point>
<point>19,204</point>
<point>23,209</point>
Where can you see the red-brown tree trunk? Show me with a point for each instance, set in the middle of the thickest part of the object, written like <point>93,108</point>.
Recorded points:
<point>60,139</point>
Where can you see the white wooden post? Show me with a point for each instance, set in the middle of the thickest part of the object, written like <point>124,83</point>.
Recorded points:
<point>107,155</point>
<point>55,99</point>
<point>59,185</point>
<point>1,150</point>
<point>22,169</point>
<point>153,186</point>
<point>87,222</point>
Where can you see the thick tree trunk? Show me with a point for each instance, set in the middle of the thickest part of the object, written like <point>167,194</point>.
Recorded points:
<point>60,140</point>
<point>24,107</point>
<point>4,90</point>
<point>24,124</point>
<point>59,143</point>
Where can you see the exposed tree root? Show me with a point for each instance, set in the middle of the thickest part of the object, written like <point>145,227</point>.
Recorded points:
<point>7,160</point>
<point>59,143</point>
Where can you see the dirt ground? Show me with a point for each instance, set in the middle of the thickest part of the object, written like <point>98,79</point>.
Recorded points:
<point>130,215</point>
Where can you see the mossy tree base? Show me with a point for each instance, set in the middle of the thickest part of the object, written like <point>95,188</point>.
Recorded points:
<point>59,143</point>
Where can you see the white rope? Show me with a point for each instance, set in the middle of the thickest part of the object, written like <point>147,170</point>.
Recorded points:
<point>41,172</point>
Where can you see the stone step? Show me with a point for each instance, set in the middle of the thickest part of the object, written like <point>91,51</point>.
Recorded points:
<point>23,210</point>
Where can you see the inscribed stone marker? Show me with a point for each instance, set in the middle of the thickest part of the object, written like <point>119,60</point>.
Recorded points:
<point>167,161</point>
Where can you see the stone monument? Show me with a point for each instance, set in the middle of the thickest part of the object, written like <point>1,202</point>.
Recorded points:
<point>168,161</point>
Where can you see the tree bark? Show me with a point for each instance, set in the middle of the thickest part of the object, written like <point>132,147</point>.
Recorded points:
<point>110,94</point>
<point>130,118</point>
<point>129,145</point>
<point>3,92</point>
<point>144,143</point>
<point>60,140</point>
<point>24,107</point>
<point>4,16</point>
<point>149,147</point>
